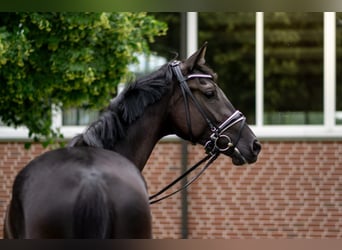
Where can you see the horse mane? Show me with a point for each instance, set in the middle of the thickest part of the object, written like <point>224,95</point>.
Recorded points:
<point>126,108</point>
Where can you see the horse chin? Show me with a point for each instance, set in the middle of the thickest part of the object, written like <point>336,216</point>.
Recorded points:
<point>238,159</point>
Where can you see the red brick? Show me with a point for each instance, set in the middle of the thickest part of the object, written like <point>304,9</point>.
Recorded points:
<point>293,191</point>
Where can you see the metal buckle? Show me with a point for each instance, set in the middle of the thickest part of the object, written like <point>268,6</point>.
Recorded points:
<point>175,63</point>
<point>219,142</point>
<point>223,140</point>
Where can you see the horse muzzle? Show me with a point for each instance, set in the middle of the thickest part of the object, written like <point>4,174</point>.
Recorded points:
<point>224,145</point>
<point>219,142</point>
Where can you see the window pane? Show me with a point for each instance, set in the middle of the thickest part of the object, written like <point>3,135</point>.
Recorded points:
<point>339,68</point>
<point>231,53</point>
<point>74,116</point>
<point>169,45</point>
<point>293,74</point>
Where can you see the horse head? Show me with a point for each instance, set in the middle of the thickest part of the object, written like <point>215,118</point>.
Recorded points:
<point>202,113</point>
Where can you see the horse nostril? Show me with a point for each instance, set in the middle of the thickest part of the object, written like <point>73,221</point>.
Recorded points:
<point>256,147</point>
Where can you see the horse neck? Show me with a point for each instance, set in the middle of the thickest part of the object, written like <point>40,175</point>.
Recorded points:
<point>144,134</point>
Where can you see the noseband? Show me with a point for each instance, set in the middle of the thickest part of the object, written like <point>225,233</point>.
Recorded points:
<point>217,142</point>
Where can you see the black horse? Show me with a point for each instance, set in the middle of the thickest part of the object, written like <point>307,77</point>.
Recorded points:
<point>94,187</point>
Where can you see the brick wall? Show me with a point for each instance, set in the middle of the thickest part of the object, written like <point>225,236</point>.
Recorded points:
<point>293,191</point>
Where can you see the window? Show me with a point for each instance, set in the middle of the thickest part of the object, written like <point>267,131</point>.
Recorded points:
<point>293,68</point>
<point>74,116</point>
<point>170,45</point>
<point>282,70</point>
<point>231,52</point>
<point>339,68</point>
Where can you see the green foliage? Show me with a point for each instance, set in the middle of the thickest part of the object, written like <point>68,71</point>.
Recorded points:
<point>65,59</point>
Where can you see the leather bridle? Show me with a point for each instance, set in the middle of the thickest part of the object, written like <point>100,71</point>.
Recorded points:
<point>217,142</point>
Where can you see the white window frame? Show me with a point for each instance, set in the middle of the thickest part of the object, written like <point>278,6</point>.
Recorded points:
<point>328,130</point>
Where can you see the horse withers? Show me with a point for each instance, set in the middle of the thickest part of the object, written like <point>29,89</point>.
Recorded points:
<point>94,187</point>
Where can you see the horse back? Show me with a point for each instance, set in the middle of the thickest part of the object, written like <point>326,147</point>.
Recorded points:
<point>79,192</point>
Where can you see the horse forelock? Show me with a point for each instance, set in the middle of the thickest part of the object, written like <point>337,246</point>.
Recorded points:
<point>127,108</point>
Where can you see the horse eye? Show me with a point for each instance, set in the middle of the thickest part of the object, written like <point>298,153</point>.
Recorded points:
<point>209,94</point>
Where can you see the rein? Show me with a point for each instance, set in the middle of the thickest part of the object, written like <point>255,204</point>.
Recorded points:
<point>209,158</point>
<point>217,143</point>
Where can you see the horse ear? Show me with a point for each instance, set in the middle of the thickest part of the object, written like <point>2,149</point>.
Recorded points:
<point>198,58</point>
